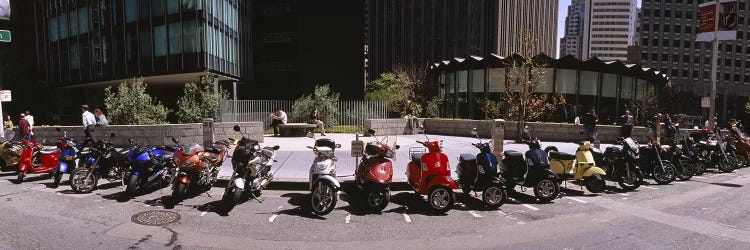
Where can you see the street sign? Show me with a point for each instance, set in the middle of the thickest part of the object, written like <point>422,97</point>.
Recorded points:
<point>705,102</point>
<point>358,148</point>
<point>5,36</point>
<point>5,95</point>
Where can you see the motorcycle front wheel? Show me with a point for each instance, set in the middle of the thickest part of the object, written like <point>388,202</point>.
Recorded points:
<point>440,199</point>
<point>494,197</point>
<point>132,186</point>
<point>230,199</point>
<point>686,170</point>
<point>595,183</point>
<point>179,192</point>
<point>664,175</point>
<point>630,180</point>
<point>323,197</point>
<point>727,165</point>
<point>699,168</point>
<point>80,184</point>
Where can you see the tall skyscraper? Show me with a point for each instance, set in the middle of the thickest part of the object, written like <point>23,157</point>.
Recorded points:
<point>599,28</point>
<point>668,32</point>
<point>539,17</point>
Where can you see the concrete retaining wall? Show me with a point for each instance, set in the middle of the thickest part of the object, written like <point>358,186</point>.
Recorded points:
<point>153,134</point>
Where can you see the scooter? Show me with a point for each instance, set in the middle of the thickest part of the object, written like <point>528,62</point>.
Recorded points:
<point>580,167</point>
<point>650,161</point>
<point>149,168</point>
<point>68,156</point>
<point>620,163</point>
<point>252,171</point>
<point>101,160</point>
<point>429,173</point>
<point>323,184</point>
<point>479,173</point>
<point>374,174</point>
<point>533,172</point>
<point>196,166</point>
<point>36,159</point>
<point>10,152</point>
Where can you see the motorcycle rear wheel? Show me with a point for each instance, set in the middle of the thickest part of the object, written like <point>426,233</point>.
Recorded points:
<point>80,184</point>
<point>377,201</point>
<point>728,165</point>
<point>631,181</point>
<point>230,199</point>
<point>546,190</point>
<point>699,168</point>
<point>666,175</point>
<point>323,197</point>
<point>494,197</point>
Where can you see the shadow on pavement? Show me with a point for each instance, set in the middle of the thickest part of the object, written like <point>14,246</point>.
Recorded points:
<point>411,204</point>
<point>301,206</point>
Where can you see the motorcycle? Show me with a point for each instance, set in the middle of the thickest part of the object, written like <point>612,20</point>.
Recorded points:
<point>37,159</point>
<point>712,150</point>
<point>532,172</point>
<point>251,171</point>
<point>100,160</point>
<point>10,152</point>
<point>621,163</point>
<point>323,184</point>
<point>580,167</point>
<point>196,166</point>
<point>429,173</point>
<point>149,167</point>
<point>69,150</point>
<point>741,145</point>
<point>374,174</point>
<point>479,173</point>
<point>698,164</point>
<point>682,163</point>
<point>650,161</point>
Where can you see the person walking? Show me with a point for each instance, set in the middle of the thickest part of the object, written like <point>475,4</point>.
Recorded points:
<point>24,128</point>
<point>88,121</point>
<point>315,119</point>
<point>101,120</point>
<point>627,124</point>
<point>671,127</point>
<point>589,125</point>
<point>279,117</point>
<point>30,118</point>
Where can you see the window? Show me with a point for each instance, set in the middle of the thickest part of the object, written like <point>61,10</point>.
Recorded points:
<point>53,35</point>
<point>173,6</point>
<point>73,20</point>
<point>686,58</point>
<point>676,43</point>
<point>131,12</point>
<point>190,41</point>
<point>477,81</point>
<point>75,55</point>
<point>158,8</point>
<point>609,85</point>
<point>63,26</point>
<point>190,5</point>
<point>145,43</point>
<point>175,39</point>
<point>497,80</point>
<point>462,78</point>
<point>160,40</point>
<point>83,20</point>
<point>626,91</point>
<point>566,81</point>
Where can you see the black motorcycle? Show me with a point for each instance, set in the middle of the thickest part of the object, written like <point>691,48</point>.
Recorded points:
<point>712,149</point>
<point>621,163</point>
<point>696,162</point>
<point>532,172</point>
<point>661,170</point>
<point>252,171</point>
<point>100,160</point>
<point>682,163</point>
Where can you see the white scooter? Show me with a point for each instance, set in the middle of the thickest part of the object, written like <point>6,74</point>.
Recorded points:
<point>323,184</point>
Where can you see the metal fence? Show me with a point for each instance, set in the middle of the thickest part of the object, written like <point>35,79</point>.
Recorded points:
<point>350,113</point>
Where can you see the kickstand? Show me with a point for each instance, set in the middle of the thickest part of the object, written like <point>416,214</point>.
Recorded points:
<point>259,200</point>
<point>209,194</point>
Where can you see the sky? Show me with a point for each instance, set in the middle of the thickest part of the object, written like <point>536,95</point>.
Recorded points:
<point>562,13</point>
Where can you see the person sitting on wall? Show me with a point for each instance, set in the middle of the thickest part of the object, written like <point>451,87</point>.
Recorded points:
<point>315,119</point>
<point>412,120</point>
<point>101,120</point>
<point>279,117</point>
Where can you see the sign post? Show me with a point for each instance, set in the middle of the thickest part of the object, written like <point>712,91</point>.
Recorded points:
<point>718,21</point>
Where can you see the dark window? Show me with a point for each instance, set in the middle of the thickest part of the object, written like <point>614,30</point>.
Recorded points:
<point>645,42</point>
<point>665,43</point>
<point>665,57</point>
<point>727,62</point>
<point>646,27</point>
<point>667,28</point>
<point>667,13</point>
<point>655,42</point>
<point>131,12</point>
<point>158,7</point>
<point>676,43</point>
<point>727,76</point>
<point>747,78</point>
<point>678,14</point>
<point>695,74</point>
<point>173,6</point>
<point>654,57</point>
<point>685,74</point>
<point>686,58</point>
<point>738,49</point>
<point>175,38</point>
<point>160,40</point>
<point>145,43</point>
<point>737,63</point>
<point>675,72</point>
<point>736,77</point>
<point>656,28</point>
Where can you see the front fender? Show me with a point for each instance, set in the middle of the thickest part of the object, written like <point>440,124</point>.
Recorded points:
<point>23,167</point>
<point>184,179</point>
<point>62,167</point>
<point>551,175</point>
<point>441,180</point>
<point>594,170</point>
<point>328,178</point>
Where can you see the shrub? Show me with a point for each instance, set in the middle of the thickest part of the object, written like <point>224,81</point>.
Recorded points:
<point>129,104</point>
<point>324,99</point>
<point>200,101</point>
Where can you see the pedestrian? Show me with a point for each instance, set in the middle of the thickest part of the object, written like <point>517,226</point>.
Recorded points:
<point>88,122</point>
<point>411,117</point>
<point>24,128</point>
<point>627,124</point>
<point>8,123</point>
<point>101,120</point>
<point>279,117</point>
<point>716,120</point>
<point>30,118</point>
<point>315,119</point>
<point>589,125</point>
<point>671,127</point>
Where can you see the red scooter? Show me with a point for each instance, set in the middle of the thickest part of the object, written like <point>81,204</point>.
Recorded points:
<point>429,173</point>
<point>374,174</point>
<point>37,160</point>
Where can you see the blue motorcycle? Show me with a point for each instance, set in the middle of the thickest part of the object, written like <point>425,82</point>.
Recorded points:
<point>149,167</point>
<point>101,160</point>
<point>70,150</point>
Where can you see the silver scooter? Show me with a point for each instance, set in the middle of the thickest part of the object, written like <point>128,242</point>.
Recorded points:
<point>323,184</point>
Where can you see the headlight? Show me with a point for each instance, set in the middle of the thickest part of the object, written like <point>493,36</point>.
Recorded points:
<point>320,166</point>
<point>256,147</point>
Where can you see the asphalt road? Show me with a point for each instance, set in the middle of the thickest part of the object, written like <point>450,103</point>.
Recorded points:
<point>709,212</point>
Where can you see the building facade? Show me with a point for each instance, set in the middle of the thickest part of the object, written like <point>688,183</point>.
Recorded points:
<point>668,32</point>
<point>600,28</point>
<point>538,17</point>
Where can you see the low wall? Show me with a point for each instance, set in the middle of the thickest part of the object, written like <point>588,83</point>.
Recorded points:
<point>153,134</point>
<point>562,132</point>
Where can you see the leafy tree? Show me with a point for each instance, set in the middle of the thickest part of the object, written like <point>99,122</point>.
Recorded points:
<point>403,89</point>
<point>129,104</point>
<point>322,98</point>
<point>200,100</point>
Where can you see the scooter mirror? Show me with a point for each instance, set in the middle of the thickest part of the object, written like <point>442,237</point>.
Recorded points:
<point>474,131</point>
<point>397,147</point>
<point>276,147</point>
<point>236,128</point>
<point>371,131</point>
<point>310,135</point>
<point>338,145</point>
<point>176,140</point>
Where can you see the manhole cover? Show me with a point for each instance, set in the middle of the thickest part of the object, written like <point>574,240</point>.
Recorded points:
<point>155,218</point>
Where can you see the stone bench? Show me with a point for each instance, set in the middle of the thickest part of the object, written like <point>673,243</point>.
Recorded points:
<point>295,129</point>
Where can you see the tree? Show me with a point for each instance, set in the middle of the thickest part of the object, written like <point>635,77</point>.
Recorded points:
<point>200,100</point>
<point>129,104</point>
<point>322,98</point>
<point>403,89</point>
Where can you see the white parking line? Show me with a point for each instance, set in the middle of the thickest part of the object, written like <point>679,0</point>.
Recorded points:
<point>348,217</point>
<point>275,214</point>
<point>576,199</point>
<point>624,194</point>
<point>699,177</point>
<point>650,187</point>
<point>475,214</point>
<point>530,207</point>
<point>501,213</point>
<point>407,218</point>
<point>204,213</point>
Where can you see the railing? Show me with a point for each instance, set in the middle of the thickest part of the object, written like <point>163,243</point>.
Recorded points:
<point>350,113</point>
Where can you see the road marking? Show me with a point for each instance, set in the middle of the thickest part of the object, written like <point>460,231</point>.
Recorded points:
<point>204,213</point>
<point>679,182</point>
<point>650,187</point>
<point>576,199</point>
<point>699,177</point>
<point>624,194</point>
<point>406,218</point>
<point>624,198</point>
<point>275,214</point>
<point>348,217</point>
<point>501,212</point>
<point>530,207</point>
<point>475,214</point>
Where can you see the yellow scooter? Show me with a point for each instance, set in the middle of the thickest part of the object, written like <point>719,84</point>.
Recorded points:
<point>580,167</point>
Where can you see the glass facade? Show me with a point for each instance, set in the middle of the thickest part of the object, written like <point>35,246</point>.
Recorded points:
<point>101,40</point>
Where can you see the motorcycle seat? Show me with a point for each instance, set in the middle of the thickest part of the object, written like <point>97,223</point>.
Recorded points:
<point>212,149</point>
<point>561,156</point>
<point>467,157</point>
<point>49,150</point>
<point>168,148</point>
<point>213,157</point>
<point>417,158</point>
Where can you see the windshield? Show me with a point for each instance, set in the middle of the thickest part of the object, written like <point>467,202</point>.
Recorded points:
<point>193,148</point>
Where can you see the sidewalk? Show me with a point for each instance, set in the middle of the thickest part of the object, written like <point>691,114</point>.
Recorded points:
<point>294,159</point>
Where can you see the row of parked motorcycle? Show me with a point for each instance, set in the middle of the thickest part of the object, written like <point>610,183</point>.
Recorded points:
<point>141,167</point>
